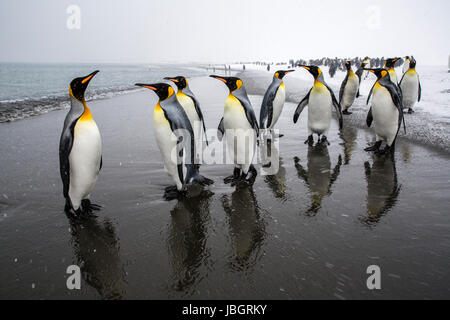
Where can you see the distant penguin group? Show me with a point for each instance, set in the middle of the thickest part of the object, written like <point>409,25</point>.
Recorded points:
<point>179,125</point>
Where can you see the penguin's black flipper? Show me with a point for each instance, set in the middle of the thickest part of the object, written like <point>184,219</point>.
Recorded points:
<point>337,106</point>
<point>267,106</point>
<point>420,89</point>
<point>250,114</point>
<point>220,130</point>
<point>396,96</point>
<point>301,106</point>
<point>65,147</point>
<point>341,91</point>
<point>369,119</point>
<point>199,111</point>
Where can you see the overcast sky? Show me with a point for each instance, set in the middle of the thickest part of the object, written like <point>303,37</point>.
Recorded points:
<point>223,31</point>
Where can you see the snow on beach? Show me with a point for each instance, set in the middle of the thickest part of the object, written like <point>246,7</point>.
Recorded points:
<point>429,125</point>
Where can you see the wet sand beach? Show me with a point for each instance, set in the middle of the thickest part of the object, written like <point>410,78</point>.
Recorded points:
<point>310,231</point>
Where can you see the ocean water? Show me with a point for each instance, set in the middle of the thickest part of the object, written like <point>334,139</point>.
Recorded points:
<point>32,89</point>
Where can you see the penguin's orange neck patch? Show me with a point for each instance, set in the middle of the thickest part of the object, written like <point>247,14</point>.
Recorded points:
<point>158,107</point>
<point>87,115</point>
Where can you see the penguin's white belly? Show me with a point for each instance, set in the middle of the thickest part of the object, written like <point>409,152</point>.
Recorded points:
<point>278,104</point>
<point>410,90</point>
<point>350,91</point>
<point>240,136</point>
<point>406,66</point>
<point>385,115</point>
<point>319,110</point>
<point>84,159</point>
<point>167,144</point>
<point>189,107</point>
<point>393,75</point>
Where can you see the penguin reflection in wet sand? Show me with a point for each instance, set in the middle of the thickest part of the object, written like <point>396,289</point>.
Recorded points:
<point>386,111</point>
<point>241,128</point>
<point>175,139</point>
<point>273,101</point>
<point>80,151</point>
<point>192,108</point>
<point>410,86</point>
<point>349,89</point>
<point>383,188</point>
<point>320,100</point>
<point>319,177</point>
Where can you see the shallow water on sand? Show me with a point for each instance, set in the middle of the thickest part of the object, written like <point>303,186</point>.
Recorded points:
<point>310,231</point>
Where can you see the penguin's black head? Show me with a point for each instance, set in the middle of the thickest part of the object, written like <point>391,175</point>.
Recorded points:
<point>232,83</point>
<point>379,72</point>
<point>163,90</point>
<point>180,81</point>
<point>281,73</point>
<point>314,70</point>
<point>348,65</point>
<point>78,86</point>
<point>412,63</point>
<point>407,58</point>
<point>390,63</point>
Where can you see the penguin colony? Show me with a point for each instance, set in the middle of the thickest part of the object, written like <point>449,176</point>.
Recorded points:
<point>179,125</point>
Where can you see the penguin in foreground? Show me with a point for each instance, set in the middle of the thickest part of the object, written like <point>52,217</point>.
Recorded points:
<point>273,101</point>
<point>359,73</point>
<point>349,89</point>
<point>192,108</point>
<point>80,151</point>
<point>410,86</point>
<point>241,128</point>
<point>406,64</point>
<point>175,138</point>
<point>390,66</point>
<point>386,111</point>
<point>320,100</point>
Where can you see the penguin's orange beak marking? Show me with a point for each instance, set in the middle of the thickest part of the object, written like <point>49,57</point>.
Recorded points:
<point>174,80</point>
<point>223,80</point>
<point>307,68</point>
<point>87,79</point>
<point>149,87</point>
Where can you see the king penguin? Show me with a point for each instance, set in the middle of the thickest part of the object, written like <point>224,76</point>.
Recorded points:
<point>80,151</point>
<point>406,64</point>
<point>410,86</point>
<point>386,111</point>
<point>320,101</point>
<point>273,101</point>
<point>349,89</point>
<point>192,108</point>
<point>359,73</point>
<point>390,66</point>
<point>366,61</point>
<point>241,128</point>
<point>175,139</point>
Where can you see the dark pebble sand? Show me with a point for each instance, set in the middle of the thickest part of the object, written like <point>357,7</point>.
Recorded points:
<point>310,231</point>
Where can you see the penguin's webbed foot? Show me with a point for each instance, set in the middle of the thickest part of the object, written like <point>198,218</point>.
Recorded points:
<point>87,204</point>
<point>346,112</point>
<point>250,177</point>
<point>173,194</point>
<point>324,140</point>
<point>410,111</point>
<point>374,148</point>
<point>310,141</point>
<point>171,189</point>
<point>204,181</point>
<point>233,178</point>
